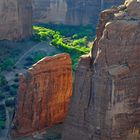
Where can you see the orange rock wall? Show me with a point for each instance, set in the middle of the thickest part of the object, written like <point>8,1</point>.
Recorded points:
<point>44,95</point>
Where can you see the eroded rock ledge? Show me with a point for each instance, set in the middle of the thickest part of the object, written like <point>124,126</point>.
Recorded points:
<point>106,95</point>
<point>44,95</point>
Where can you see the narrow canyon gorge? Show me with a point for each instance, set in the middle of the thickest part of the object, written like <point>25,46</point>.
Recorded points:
<point>106,95</point>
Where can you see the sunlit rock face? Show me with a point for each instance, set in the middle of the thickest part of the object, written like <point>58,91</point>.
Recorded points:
<point>70,12</point>
<point>15,19</point>
<point>106,95</point>
<point>44,95</point>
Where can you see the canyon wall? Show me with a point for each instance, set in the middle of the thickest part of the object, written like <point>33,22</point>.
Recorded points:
<point>106,96</point>
<point>15,19</point>
<point>44,95</point>
<point>70,12</point>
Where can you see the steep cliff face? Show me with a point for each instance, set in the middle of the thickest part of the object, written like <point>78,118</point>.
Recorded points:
<point>15,19</point>
<point>44,95</point>
<point>49,11</point>
<point>71,12</point>
<point>106,96</point>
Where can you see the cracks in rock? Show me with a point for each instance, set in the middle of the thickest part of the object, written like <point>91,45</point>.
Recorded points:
<point>92,94</point>
<point>106,61</point>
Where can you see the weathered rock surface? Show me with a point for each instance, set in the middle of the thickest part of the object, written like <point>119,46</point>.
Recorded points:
<point>15,19</point>
<point>44,95</point>
<point>106,96</point>
<point>70,12</point>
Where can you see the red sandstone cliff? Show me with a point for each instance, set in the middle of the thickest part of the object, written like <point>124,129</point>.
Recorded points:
<point>106,96</point>
<point>44,95</point>
<point>15,19</point>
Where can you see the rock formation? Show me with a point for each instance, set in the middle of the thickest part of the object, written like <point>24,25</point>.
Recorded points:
<point>106,95</point>
<point>44,95</point>
<point>15,19</point>
<point>70,12</point>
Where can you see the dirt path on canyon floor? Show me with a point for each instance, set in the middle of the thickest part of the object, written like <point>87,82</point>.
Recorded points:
<point>20,63</point>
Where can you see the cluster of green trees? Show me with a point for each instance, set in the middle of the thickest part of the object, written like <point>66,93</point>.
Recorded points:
<point>75,45</point>
<point>69,30</point>
<point>6,64</point>
<point>44,34</point>
<point>3,81</point>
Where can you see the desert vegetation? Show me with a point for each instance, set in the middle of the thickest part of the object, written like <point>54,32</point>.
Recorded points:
<point>72,40</point>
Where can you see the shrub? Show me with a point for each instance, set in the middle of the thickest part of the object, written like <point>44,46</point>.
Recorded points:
<point>16,75</point>
<point>3,81</point>
<point>7,64</point>
<point>14,67</point>
<point>6,88</point>
<point>2,96</point>
<point>10,102</point>
<point>16,80</point>
<point>13,91</point>
<point>75,36</point>
<point>2,124</point>
<point>15,86</point>
<point>2,116</point>
<point>29,59</point>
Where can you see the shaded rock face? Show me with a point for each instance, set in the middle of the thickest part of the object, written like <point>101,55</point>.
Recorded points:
<point>15,19</point>
<point>49,11</point>
<point>44,95</point>
<point>70,12</point>
<point>106,95</point>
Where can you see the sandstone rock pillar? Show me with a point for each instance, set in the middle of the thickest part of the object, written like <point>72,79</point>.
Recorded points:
<point>44,95</point>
